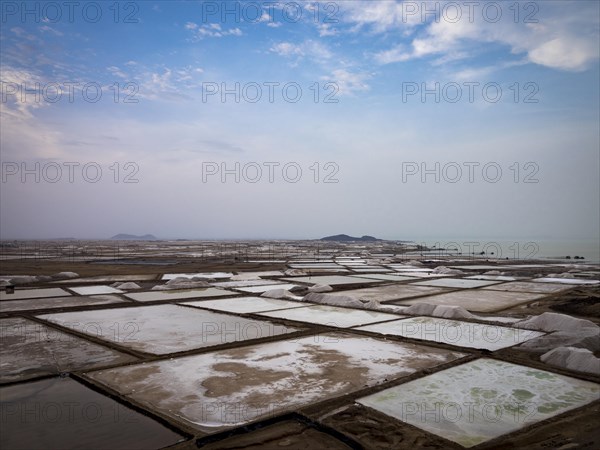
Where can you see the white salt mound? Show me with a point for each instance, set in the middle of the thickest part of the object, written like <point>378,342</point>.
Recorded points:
<point>549,321</point>
<point>340,300</point>
<point>320,288</point>
<point>182,283</point>
<point>26,279</point>
<point>420,309</point>
<point>447,271</point>
<point>294,273</point>
<point>577,359</point>
<point>65,275</point>
<point>444,311</point>
<point>280,294</point>
<point>129,285</point>
<point>587,338</point>
<point>452,312</point>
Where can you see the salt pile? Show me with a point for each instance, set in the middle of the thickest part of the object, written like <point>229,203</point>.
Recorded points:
<point>443,270</point>
<point>64,275</point>
<point>181,283</point>
<point>320,288</point>
<point>578,359</point>
<point>555,322</point>
<point>444,311</point>
<point>280,294</point>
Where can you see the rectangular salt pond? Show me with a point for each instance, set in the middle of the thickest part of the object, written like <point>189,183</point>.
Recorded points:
<point>386,277</point>
<point>424,275</point>
<point>34,293</point>
<point>481,400</point>
<point>60,413</point>
<point>524,286</point>
<point>332,280</point>
<point>492,277</point>
<point>108,279</point>
<point>214,275</point>
<point>478,300</point>
<point>229,388</point>
<point>370,270</point>
<point>565,280</point>
<point>243,283</point>
<point>454,332</point>
<point>266,287</point>
<point>391,292</point>
<point>58,302</point>
<point>314,266</point>
<point>331,316</point>
<point>456,283</point>
<point>163,329</point>
<point>29,349</point>
<point>255,275</point>
<point>403,268</point>
<point>177,294</point>
<point>95,290</point>
<point>243,305</point>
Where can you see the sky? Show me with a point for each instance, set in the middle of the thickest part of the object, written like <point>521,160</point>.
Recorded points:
<point>243,120</point>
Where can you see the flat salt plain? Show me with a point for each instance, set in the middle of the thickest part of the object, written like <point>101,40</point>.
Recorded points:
<point>177,294</point>
<point>483,399</point>
<point>454,332</point>
<point>243,305</point>
<point>477,300</point>
<point>29,349</point>
<point>390,292</point>
<point>565,280</point>
<point>266,379</point>
<point>33,293</point>
<point>266,287</point>
<point>213,275</point>
<point>95,290</point>
<point>461,283</point>
<point>243,283</point>
<point>330,315</point>
<point>386,277</point>
<point>332,280</point>
<point>107,279</point>
<point>524,286</point>
<point>58,302</point>
<point>164,329</point>
<point>211,388</point>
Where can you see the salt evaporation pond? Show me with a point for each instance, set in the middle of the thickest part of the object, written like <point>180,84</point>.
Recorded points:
<point>331,316</point>
<point>229,388</point>
<point>163,329</point>
<point>454,332</point>
<point>481,400</point>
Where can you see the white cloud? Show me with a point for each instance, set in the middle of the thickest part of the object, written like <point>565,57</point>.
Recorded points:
<point>47,29</point>
<point>211,30</point>
<point>565,53</point>
<point>565,37</point>
<point>117,72</point>
<point>349,82</point>
<point>309,48</point>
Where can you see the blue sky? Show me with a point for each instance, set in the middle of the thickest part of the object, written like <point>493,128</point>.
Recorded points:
<point>172,56</point>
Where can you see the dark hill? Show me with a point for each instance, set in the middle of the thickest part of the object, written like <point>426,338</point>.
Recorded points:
<point>346,238</point>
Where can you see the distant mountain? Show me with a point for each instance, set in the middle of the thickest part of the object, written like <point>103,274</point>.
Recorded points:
<point>346,238</point>
<point>133,237</point>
